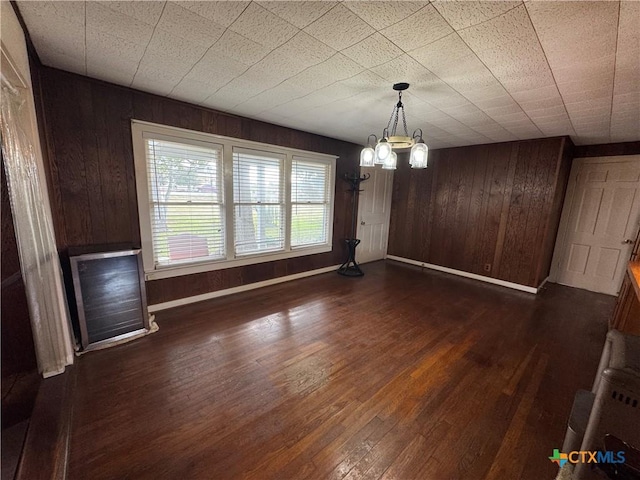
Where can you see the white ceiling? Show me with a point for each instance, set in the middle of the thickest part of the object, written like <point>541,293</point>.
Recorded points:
<point>480,71</point>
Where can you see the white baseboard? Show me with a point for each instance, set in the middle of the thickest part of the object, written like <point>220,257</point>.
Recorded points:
<point>495,281</point>
<point>242,288</point>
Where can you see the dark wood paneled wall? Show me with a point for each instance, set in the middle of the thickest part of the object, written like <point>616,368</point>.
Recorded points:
<point>492,210</point>
<point>18,352</point>
<point>607,149</point>
<point>90,164</point>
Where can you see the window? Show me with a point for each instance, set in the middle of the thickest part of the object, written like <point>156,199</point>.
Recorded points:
<point>310,202</point>
<point>258,202</point>
<point>208,202</point>
<point>185,200</point>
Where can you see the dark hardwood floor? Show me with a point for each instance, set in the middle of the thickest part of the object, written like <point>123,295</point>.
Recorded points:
<point>403,373</point>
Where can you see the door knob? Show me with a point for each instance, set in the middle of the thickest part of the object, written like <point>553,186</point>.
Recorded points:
<point>627,241</point>
<point>362,222</point>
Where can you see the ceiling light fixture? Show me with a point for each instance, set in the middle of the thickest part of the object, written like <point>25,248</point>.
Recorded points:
<point>383,154</point>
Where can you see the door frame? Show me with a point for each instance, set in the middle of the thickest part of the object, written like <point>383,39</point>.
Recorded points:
<point>560,247</point>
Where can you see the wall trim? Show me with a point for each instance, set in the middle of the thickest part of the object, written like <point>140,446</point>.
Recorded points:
<point>241,288</point>
<point>473,276</point>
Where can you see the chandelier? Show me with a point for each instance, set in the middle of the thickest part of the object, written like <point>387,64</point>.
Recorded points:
<point>383,153</point>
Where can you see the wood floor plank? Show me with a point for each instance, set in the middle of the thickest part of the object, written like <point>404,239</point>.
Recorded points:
<point>405,373</point>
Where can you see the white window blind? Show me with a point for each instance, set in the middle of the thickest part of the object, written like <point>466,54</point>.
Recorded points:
<point>258,196</point>
<point>310,202</point>
<point>186,201</point>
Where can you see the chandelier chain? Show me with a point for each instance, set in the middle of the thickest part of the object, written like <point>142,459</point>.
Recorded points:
<point>404,121</point>
<point>395,116</point>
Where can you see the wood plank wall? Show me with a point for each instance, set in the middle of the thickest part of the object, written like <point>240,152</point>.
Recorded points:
<point>87,125</point>
<point>607,149</point>
<point>492,210</point>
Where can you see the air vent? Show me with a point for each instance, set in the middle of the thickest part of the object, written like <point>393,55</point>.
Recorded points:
<point>622,398</point>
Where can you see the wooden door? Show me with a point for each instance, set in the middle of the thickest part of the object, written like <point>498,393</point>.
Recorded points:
<point>373,214</point>
<point>602,214</point>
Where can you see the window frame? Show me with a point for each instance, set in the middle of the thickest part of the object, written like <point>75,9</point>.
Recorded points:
<point>152,272</point>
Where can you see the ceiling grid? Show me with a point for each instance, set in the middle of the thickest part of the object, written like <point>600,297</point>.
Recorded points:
<point>480,71</point>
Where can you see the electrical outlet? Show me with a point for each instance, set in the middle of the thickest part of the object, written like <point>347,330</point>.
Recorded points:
<point>487,267</point>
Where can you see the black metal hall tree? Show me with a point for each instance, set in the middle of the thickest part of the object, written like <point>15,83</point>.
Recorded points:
<point>350,268</point>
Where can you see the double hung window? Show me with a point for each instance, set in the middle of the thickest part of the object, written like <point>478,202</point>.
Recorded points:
<point>208,202</point>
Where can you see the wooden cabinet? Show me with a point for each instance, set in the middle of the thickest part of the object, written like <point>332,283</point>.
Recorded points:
<point>626,315</point>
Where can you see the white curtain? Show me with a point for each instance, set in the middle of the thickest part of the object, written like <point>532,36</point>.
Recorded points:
<point>39,261</point>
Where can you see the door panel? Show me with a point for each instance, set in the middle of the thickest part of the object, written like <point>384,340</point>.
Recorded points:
<point>373,214</point>
<point>604,214</point>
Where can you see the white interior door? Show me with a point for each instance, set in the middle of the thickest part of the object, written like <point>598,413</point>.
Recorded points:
<point>600,217</point>
<point>374,210</point>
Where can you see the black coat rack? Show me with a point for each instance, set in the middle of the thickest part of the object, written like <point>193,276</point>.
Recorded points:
<point>350,268</point>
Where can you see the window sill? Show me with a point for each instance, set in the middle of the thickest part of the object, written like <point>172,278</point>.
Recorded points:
<point>190,269</point>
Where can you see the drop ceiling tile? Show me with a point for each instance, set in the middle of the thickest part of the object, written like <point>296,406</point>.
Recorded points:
<point>241,49</point>
<point>153,84</point>
<point>339,28</point>
<point>186,24</point>
<point>117,24</point>
<point>509,47</point>
<point>311,79</point>
<point>373,51</point>
<point>216,70</point>
<point>549,93</point>
<point>59,37</point>
<point>405,68</point>
<point>263,27</point>
<point>579,40</point>
<point>298,13</point>
<point>455,64</point>
<point>575,32</point>
<point>338,67</point>
<point>440,95</point>
<point>572,93</point>
<point>52,57</point>
<point>221,12</point>
<point>510,109</point>
<point>461,15</point>
<point>192,91</point>
<point>381,14</point>
<point>175,48</point>
<point>585,76</point>
<point>105,63</point>
<point>223,102</point>
<point>120,75</point>
<point>163,67</point>
<point>510,118</point>
<point>279,95</point>
<point>71,11</point>
<point>102,45</point>
<point>146,12</point>
<point>423,27</point>
<point>303,49</point>
<point>367,82</point>
<point>557,112</point>
<point>246,86</point>
<point>627,99</point>
<point>601,105</point>
<point>627,74</point>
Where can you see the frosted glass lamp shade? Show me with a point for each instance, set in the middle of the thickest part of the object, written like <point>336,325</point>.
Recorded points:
<point>419,155</point>
<point>391,162</point>
<point>383,152</point>
<point>367,155</point>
